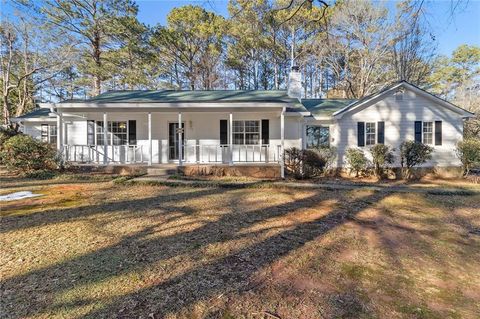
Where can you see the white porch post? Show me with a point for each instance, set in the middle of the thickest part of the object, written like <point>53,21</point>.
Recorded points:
<point>304,135</point>
<point>105,138</point>
<point>64,133</point>
<point>59,133</point>
<point>150,153</point>
<point>230,145</point>
<point>180,132</point>
<point>282,148</point>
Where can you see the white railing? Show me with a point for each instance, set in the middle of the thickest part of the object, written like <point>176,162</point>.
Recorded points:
<point>124,154</point>
<point>214,153</point>
<point>237,154</point>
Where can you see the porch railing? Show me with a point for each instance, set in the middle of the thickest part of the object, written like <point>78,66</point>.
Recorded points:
<point>128,154</point>
<point>212,153</point>
<point>237,154</point>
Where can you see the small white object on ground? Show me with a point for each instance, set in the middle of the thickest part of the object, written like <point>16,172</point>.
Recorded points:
<point>18,195</point>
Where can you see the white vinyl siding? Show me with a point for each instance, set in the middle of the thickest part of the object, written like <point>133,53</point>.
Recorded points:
<point>399,117</point>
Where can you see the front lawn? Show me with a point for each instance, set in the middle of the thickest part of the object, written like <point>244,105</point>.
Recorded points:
<point>91,248</point>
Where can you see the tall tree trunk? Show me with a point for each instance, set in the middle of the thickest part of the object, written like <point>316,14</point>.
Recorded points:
<point>97,81</point>
<point>6,112</point>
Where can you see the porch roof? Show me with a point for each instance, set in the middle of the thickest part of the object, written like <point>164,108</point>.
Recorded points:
<point>140,100</point>
<point>172,96</point>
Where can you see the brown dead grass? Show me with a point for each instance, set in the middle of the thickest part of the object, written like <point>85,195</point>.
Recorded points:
<point>97,249</point>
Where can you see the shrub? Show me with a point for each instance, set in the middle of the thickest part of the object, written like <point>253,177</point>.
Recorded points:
<point>5,134</point>
<point>23,153</point>
<point>382,155</point>
<point>468,151</point>
<point>328,154</point>
<point>313,163</point>
<point>413,154</point>
<point>41,174</point>
<point>294,161</point>
<point>357,161</point>
<point>304,163</point>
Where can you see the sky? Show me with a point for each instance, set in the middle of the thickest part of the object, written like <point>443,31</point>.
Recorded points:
<point>449,31</point>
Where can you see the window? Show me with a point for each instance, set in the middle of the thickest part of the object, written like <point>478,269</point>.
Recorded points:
<point>49,133</point>
<point>116,135</point>
<point>318,136</point>
<point>246,132</point>
<point>52,134</point>
<point>370,133</point>
<point>119,132</point>
<point>427,132</point>
<point>44,135</point>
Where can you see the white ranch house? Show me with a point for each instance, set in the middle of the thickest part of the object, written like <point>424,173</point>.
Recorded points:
<point>242,127</point>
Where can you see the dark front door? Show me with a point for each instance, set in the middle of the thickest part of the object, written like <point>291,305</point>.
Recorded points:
<point>173,141</point>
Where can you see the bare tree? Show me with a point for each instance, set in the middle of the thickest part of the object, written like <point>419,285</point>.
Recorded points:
<point>29,56</point>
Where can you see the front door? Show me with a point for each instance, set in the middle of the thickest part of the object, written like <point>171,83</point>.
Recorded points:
<point>173,141</point>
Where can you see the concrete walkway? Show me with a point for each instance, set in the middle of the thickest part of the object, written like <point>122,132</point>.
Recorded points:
<point>434,190</point>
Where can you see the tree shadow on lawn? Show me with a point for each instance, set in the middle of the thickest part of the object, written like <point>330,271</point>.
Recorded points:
<point>137,252</point>
<point>129,208</point>
<point>233,272</point>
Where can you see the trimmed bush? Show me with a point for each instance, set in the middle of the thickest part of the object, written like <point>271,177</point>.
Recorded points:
<point>294,161</point>
<point>382,156</point>
<point>313,163</point>
<point>468,151</point>
<point>357,161</point>
<point>22,153</point>
<point>328,154</point>
<point>413,154</point>
<point>304,163</point>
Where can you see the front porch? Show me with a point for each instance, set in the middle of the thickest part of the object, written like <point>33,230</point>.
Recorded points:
<point>220,137</point>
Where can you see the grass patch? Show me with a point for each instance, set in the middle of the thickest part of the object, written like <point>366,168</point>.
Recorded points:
<point>110,248</point>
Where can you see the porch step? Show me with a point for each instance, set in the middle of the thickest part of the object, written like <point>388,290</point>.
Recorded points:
<point>155,171</point>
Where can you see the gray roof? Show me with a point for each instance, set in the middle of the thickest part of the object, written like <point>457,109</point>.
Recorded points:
<point>325,107</point>
<point>37,113</point>
<point>172,96</point>
<point>205,96</point>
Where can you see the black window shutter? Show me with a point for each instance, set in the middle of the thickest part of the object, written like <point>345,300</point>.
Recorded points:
<point>132,132</point>
<point>418,131</point>
<point>381,133</point>
<point>223,132</point>
<point>361,133</point>
<point>438,132</point>
<point>265,132</point>
<point>90,132</point>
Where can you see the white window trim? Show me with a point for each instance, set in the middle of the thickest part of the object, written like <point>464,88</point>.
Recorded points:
<point>365,134</point>
<point>110,133</point>
<point>432,132</point>
<point>260,139</point>
<point>49,136</point>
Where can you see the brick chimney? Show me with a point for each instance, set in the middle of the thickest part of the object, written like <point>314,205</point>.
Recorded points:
<point>294,88</point>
